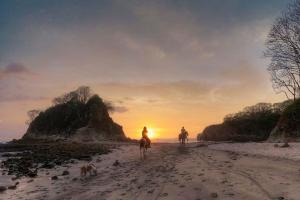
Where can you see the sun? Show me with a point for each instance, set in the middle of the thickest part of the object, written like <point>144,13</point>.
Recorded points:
<point>151,133</point>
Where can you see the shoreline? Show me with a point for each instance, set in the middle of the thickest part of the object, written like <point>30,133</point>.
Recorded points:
<point>170,171</point>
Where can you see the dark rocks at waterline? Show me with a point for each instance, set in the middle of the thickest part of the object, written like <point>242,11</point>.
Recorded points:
<point>54,178</point>
<point>12,187</point>
<point>47,165</point>
<point>285,145</point>
<point>32,174</point>
<point>7,155</point>
<point>20,167</point>
<point>116,163</point>
<point>85,158</point>
<point>2,188</point>
<point>75,179</point>
<point>48,156</point>
<point>65,173</point>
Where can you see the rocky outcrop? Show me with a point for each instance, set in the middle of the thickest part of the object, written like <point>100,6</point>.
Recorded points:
<point>254,123</point>
<point>76,120</point>
<point>30,158</point>
<point>217,132</point>
<point>288,126</point>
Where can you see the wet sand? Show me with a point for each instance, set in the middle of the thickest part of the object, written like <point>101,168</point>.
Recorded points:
<point>170,172</point>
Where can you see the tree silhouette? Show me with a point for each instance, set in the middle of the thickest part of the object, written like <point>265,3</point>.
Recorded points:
<point>283,48</point>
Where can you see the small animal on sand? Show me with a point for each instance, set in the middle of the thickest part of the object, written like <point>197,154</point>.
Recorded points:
<point>143,148</point>
<point>89,168</point>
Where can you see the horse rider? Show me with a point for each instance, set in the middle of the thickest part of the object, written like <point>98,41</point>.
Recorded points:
<point>145,136</point>
<point>183,134</point>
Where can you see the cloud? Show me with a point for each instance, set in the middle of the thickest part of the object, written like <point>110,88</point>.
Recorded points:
<point>120,109</point>
<point>235,84</point>
<point>18,83</point>
<point>14,70</point>
<point>157,92</point>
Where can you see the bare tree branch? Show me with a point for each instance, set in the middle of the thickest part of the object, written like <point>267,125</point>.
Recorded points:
<point>283,48</point>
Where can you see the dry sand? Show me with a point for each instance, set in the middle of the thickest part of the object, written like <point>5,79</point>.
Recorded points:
<point>266,149</point>
<point>170,172</point>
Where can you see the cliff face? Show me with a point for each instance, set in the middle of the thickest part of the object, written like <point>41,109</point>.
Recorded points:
<point>76,120</point>
<point>288,126</point>
<point>254,123</point>
<point>217,132</point>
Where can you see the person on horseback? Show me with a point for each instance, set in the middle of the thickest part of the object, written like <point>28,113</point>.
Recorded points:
<point>145,136</point>
<point>183,135</point>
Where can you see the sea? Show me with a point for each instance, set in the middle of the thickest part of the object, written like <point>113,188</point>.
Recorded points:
<point>170,140</point>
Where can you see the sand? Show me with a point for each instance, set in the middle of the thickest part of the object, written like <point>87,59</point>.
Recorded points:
<point>171,171</point>
<point>266,149</point>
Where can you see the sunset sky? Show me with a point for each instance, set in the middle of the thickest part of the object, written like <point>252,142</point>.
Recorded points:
<point>164,64</point>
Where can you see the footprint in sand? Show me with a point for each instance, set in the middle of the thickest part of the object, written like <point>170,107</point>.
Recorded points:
<point>229,194</point>
<point>214,195</point>
<point>164,194</point>
<point>151,191</point>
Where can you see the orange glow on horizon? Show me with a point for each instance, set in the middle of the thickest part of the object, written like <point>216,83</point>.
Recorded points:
<point>151,133</point>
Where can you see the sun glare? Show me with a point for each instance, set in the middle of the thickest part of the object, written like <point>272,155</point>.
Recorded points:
<point>151,133</point>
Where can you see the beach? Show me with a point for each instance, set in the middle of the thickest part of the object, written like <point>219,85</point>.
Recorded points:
<point>171,171</point>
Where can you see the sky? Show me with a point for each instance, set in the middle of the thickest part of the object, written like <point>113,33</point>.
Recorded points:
<point>164,64</point>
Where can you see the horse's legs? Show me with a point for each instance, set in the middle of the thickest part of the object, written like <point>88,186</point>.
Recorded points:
<point>142,153</point>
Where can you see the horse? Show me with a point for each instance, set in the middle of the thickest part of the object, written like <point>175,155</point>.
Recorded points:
<point>182,137</point>
<point>144,145</point>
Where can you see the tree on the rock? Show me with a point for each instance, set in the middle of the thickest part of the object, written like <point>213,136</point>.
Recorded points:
<point>32,114</point>
<point>283,48</point>
<point>81,94</point>
<point>84,93</point>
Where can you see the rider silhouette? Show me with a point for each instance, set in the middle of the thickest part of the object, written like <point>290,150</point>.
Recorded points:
<point>183,135</point>
<point>183,131</point>
<point>145,136</point>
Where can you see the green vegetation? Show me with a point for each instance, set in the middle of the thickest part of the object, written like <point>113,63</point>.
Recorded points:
<point>254,123</point>
<point>70,112</point>
<point>289,123</point>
